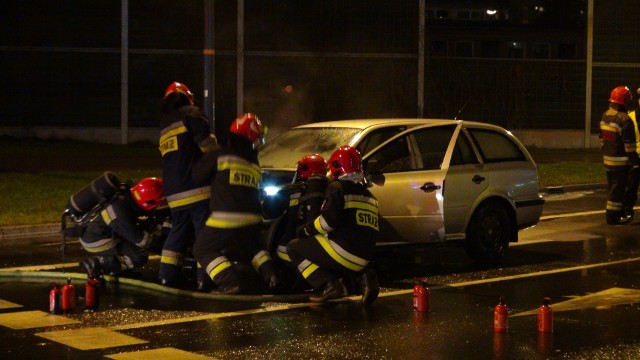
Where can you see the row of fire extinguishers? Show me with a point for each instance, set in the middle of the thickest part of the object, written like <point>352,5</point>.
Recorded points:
<point>500,312</point>
<point>62,299</point>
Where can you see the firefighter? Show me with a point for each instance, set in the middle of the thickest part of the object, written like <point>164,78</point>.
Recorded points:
<point>185,136</point>
<point>118,238</point>
<point>233,229</point>
<point>631,194</point>
<point>299,203</point>
<point>341,241</point>
<point>619,152</point>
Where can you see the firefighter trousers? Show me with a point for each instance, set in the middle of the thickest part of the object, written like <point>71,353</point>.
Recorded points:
<point>616,186</point>
<point>321,260</point>
<point>217,248</point>
<point>186,224</point>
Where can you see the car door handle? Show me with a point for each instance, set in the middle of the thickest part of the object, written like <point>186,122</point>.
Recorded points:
<point>429,187</point>
<point>478,179</point>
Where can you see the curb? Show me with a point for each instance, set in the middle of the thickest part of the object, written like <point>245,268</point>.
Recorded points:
<point>45,230</point>
<point>24,231</point>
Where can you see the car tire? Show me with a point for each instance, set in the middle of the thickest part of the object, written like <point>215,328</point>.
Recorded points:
<point>489,233</point>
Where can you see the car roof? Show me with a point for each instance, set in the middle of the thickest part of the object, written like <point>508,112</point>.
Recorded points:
<point>367,123</point>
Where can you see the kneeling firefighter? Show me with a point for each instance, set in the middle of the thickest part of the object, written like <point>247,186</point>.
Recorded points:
<point>298,203</point>
<point>232,231</point>
<point>118,238</point>
<point>341,241</point>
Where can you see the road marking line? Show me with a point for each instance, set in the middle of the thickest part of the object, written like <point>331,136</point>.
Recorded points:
<point>4,304</point>
<point>33,319</point>
<point>561,216</point>
<point>54,266</point>
<point>514,277</point>
<point>161,353</point>
<point>600,300</point>
<point>90,338</point>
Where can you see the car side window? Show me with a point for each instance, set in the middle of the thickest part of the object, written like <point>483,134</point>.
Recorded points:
<point>433,143</point>
<point>377,137</point>
<point>462,152</point>
<point>495,146</point>
<point>393,157</point>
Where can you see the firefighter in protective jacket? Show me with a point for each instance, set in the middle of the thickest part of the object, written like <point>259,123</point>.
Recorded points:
<point>118,238</point>
<point>184,137</point>
<point>341,241</point>
<point>236,213</point>
<point>618,138</point>
<point>298,203</point>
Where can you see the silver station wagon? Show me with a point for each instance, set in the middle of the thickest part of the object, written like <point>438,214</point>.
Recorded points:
<point>443,180</point>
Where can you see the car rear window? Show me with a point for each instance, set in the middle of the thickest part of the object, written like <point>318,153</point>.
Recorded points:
<point>495,146</point>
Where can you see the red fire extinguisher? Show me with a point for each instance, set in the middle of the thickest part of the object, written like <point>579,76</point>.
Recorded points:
<point>92,293</point>
<point>68,294</point>
<point>54,299</point>
<point>501,318</point>
<point>420,297</point>
<point>545,316</point>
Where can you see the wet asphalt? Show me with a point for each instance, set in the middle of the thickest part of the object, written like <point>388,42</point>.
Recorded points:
<point>587,268</point>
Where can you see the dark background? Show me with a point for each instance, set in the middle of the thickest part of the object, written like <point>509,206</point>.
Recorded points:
<point>60,60</point>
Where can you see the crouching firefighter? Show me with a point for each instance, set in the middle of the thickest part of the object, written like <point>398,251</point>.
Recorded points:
<point>232,231</point>
<point>341,241</point>
<point>117,239</point>
<point>297,203</point>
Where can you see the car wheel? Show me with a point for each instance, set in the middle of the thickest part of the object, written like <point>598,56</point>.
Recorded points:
<point>489,233</point>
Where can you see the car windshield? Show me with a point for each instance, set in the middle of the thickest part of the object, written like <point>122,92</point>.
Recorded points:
<point>285,150</point>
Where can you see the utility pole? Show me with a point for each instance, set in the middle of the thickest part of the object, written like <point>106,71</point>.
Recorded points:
<point>209,63</point>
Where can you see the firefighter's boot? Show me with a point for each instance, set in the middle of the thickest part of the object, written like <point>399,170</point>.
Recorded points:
<point>332,289</point>
<point>369,286</point>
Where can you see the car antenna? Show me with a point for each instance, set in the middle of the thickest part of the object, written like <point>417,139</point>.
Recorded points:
<point>461,109</point>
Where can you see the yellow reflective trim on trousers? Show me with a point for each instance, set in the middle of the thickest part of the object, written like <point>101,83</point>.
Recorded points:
<point>259,259</point>
<point>337,257</point>
<point>216,270</point>
<point>284,256</point>
<point>614,205</point>
<point>171,260</point>
<point>616,163</point>
<point>317,223</point>
<point>100,245</point>
<point>294,202</point>
<point>309,270</point>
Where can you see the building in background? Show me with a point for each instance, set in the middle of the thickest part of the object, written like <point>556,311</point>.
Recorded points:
<point>521,64</point>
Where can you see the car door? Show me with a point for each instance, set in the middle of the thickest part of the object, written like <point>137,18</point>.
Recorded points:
<point>411,198</point>
<point>465,181</point>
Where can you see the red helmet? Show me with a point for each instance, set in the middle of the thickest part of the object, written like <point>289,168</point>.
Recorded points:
<point>621,96</point>
<point>148,193</point>
<point>311,164</point>
<point>249,126</point>
<point>179,88</point>
<point>346,160</point>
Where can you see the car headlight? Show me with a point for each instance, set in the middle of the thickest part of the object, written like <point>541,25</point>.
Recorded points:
<point>271,190</point>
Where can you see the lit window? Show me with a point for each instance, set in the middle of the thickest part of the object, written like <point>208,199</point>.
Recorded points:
<point>515,49</point>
